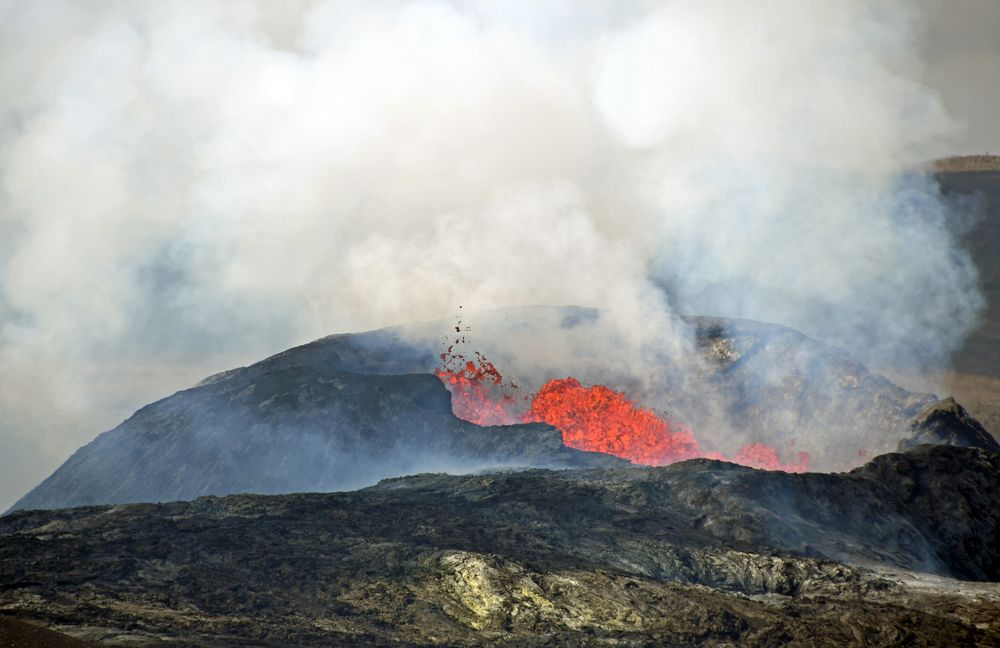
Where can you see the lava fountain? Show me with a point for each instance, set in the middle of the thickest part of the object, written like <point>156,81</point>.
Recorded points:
<point>595,418</point>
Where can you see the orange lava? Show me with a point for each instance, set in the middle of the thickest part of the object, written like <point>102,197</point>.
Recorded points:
<point>761,455</point>
<point>595,418</point>
<point>477,393</point>
<point>600,419</point>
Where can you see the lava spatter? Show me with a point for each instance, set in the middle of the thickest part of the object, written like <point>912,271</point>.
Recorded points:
<point>595,418</point>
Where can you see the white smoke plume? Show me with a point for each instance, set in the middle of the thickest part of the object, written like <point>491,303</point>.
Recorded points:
<point>185,186</point>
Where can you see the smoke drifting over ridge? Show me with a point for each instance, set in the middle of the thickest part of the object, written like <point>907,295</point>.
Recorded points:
<point>192,185</point>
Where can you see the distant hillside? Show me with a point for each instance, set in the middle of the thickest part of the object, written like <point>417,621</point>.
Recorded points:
<point>980,190</point>
<point>965,163</point>
<point>973,182</point>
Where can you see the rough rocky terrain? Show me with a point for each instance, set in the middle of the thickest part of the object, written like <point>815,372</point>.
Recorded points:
<point>697,553</point>
<point>947,422</point>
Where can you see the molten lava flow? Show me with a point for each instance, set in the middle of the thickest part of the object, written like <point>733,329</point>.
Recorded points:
<point>602,420</point>
<point>596,418</point>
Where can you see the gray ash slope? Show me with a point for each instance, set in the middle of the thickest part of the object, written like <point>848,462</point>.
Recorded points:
<point>347,410</point>
<point>291,429</point>
<point>697,553</point>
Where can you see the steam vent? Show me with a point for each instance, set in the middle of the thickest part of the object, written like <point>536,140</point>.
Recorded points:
<point>462,323</point>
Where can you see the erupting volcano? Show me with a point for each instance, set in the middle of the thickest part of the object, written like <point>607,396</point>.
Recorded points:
<point>595,418</point>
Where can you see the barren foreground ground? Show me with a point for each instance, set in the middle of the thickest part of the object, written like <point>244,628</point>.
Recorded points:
<point>698,553</point>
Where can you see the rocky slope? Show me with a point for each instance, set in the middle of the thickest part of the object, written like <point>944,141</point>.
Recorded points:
<point>697,553</point>
<point>347,410</point>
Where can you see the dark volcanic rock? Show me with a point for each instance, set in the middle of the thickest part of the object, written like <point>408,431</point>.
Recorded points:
<point>18,634</point>
<point>698,553</point>
<point>953,498</point>
<point>280,428</point>
<point>947,422</point>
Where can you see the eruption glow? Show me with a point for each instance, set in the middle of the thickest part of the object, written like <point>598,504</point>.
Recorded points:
<point>600,419</point>
<point>596,418</point>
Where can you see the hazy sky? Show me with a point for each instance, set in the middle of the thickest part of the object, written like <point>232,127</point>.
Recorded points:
<point>188,186</point>
<point>961,46</point>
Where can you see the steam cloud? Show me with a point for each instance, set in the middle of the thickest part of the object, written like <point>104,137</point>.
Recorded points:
<point>191,185</point>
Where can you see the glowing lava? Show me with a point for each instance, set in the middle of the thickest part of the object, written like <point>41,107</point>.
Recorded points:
<point>477,393</point>
<point>761,455</point>
<point>596,418</point>
<point>600,419</point>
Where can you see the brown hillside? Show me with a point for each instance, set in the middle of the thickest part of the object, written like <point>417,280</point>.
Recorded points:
<point>966,163</point>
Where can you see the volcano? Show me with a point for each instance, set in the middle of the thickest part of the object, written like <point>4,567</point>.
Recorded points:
<point>348,410</point>
<point>595,506</point>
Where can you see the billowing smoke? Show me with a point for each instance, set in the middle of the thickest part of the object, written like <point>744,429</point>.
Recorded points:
<point>190,185</point>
